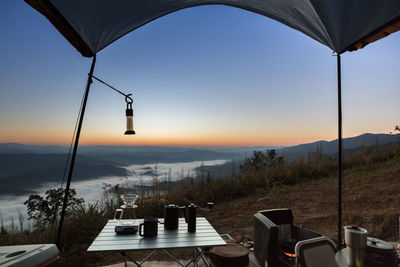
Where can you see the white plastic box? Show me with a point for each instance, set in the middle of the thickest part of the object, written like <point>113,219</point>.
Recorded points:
<point>29,255</point>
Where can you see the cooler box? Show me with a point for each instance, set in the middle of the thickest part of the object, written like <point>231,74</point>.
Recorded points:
<point>29,255</point>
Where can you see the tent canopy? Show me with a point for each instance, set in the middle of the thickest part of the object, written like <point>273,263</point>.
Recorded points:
<point>342,25</point>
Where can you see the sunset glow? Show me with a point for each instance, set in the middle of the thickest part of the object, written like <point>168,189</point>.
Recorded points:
<point>235,79</point>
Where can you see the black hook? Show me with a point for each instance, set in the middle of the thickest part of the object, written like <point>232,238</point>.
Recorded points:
<point>128,99</point>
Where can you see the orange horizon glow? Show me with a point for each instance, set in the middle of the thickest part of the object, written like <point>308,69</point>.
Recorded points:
<point>191,137</point>
<point>137,140</point>
<point>177,143</point>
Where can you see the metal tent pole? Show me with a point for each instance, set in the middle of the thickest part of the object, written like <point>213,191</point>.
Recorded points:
<point>340,152</point>
<point>71,168</point>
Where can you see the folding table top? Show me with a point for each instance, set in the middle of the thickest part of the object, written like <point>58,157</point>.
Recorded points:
<point>205,236</point>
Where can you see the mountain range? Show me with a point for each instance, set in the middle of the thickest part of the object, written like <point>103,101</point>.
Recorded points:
<point>24,167</point>
<point>331,147</point>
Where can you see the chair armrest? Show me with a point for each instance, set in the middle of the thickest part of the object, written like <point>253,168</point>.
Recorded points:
<point>265,238</point>
<point>320,252</point>
<point>304,233</point>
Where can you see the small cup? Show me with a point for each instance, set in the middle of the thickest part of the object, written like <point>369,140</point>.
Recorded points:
<point>118,214</point>
<point>150,227</point>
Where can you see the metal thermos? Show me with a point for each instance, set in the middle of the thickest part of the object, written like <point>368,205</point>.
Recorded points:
<point>192,218</point>
<point>356,241</point>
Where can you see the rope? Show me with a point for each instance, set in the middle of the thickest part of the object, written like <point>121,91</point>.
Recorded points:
<point>115,89</point>
<point>72,141</point>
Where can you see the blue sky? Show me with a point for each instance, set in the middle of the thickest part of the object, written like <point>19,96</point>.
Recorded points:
<point>210,75</point>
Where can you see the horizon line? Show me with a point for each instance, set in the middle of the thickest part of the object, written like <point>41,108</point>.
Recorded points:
<point>180,145</point>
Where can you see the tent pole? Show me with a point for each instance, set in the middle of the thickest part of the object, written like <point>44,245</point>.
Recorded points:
<point>71,168</point>
<point>340,152</point>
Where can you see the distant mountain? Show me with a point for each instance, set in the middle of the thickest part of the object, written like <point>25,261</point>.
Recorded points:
<point>328,148</point>
<point>15,148</point>
<point>20,173</point>
<point>331,147</point>
<point>153,151</point>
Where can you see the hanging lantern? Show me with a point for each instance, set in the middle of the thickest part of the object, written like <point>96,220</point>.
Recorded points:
<point>129,116</point>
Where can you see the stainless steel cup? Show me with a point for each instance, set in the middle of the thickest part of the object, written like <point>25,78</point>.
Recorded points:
<point>356,242</point>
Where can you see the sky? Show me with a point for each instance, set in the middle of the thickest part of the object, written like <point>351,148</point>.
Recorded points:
<point>206,76</point>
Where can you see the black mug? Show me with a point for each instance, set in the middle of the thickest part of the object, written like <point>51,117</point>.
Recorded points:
<point>150,225</point>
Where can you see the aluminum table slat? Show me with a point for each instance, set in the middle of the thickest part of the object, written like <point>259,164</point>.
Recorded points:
<point>205,236</point>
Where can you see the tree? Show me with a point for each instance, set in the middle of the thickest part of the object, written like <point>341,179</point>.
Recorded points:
<point>261,160</point>
<point>46,211</point>
<point>396,129</point>
<point>256,162</point>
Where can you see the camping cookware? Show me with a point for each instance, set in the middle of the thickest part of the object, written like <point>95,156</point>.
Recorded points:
<point>379,253</point>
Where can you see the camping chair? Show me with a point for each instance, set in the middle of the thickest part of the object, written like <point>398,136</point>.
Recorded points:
<point>271,228</point>
<point>316,252</point>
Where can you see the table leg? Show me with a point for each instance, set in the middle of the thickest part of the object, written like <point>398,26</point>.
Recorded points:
<point>148,256</point>
<point>196,258</point>
<point>206,262</point>
<point>198,254</point>
<point>123,253</point>
<point>172,257</point>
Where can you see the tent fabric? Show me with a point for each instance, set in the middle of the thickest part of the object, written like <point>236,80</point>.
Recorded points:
<point>342,25</point>
<point>391,27</point>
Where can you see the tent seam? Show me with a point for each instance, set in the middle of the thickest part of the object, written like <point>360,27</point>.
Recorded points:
<point>325,29</point>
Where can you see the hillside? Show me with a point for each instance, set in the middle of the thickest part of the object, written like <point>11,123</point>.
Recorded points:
<point>326,148</point>
<point>370,201</point>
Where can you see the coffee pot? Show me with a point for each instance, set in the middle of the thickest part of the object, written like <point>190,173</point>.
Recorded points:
<point>126,215</point>
<point>171,217</point>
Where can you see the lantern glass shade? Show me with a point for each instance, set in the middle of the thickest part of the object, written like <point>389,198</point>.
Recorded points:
<point>129,122</point>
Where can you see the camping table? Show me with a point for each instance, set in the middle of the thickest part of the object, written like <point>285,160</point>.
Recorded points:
<point>204,237</point>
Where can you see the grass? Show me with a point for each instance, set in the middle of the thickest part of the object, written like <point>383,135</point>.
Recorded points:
<point>307,185</point>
